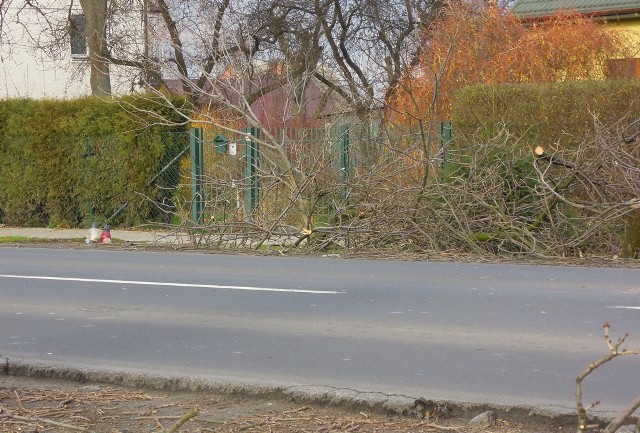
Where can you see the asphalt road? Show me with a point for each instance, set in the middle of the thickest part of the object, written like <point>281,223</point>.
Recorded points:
<point>506,334</point>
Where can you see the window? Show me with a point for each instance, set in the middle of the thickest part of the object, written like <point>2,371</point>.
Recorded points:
<point>77,31</point>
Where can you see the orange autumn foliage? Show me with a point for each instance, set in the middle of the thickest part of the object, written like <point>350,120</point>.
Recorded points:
<point>473,43</point>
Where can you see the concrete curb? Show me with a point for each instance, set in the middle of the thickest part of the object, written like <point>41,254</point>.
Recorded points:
<point>349,399</point>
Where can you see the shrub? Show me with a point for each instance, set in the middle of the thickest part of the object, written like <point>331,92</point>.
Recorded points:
<point>543,114</point>
<point>65,163</point>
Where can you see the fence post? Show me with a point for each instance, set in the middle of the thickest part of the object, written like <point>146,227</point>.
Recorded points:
<point>448,132</point>
<point>252,152</point>
<point>344,159</point>
<point>197,195</point>
<point>448,137</point>
<point>444,133</point>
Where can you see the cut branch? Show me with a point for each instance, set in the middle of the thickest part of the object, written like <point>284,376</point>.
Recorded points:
<point>11,416</point>
<point>186,417</point>
<point>614,351</point>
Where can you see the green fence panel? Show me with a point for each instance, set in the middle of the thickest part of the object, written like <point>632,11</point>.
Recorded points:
<point>252,152</point>
<point>197,195</point>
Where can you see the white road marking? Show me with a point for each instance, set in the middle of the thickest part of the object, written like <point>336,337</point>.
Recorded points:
<point>155,283</point>
<point>623,307</point>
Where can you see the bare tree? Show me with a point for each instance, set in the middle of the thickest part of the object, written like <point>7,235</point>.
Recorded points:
<point>365,44</point>
<point>95,12</point>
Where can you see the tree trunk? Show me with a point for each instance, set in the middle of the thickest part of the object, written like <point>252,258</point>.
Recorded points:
<point>631,243</point>
<point>95,12</point>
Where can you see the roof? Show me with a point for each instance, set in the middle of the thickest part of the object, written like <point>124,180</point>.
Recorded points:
<point>541,8</point>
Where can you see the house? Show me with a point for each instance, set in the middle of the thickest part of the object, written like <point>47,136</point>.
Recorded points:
<point>623,15</point>
<point>277,100</point>
<point>44,52</point>
<point>31,65</point>
<point>48,57</point>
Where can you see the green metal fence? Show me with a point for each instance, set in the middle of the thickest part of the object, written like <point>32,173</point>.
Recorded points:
<point>289,177</point>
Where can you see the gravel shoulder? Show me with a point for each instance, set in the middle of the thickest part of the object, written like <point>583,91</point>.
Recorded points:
<point>47,405</point>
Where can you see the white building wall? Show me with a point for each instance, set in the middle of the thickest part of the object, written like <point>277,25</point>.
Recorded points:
<point>35,56</point>
<point>23,74</point>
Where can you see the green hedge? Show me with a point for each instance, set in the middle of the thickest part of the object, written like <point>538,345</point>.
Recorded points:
<point>65,163</point>
<point>543,114</point>
<point>508,121</point>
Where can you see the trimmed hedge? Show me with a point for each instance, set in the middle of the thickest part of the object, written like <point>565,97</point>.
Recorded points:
<point>543,114</point>
<point>66,163</point>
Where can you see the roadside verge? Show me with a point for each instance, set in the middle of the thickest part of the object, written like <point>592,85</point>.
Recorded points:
<point>341,398</point>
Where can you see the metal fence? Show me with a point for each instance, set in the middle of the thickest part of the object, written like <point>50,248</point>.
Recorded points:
<point>290,177</point>
<point>259,176</point>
